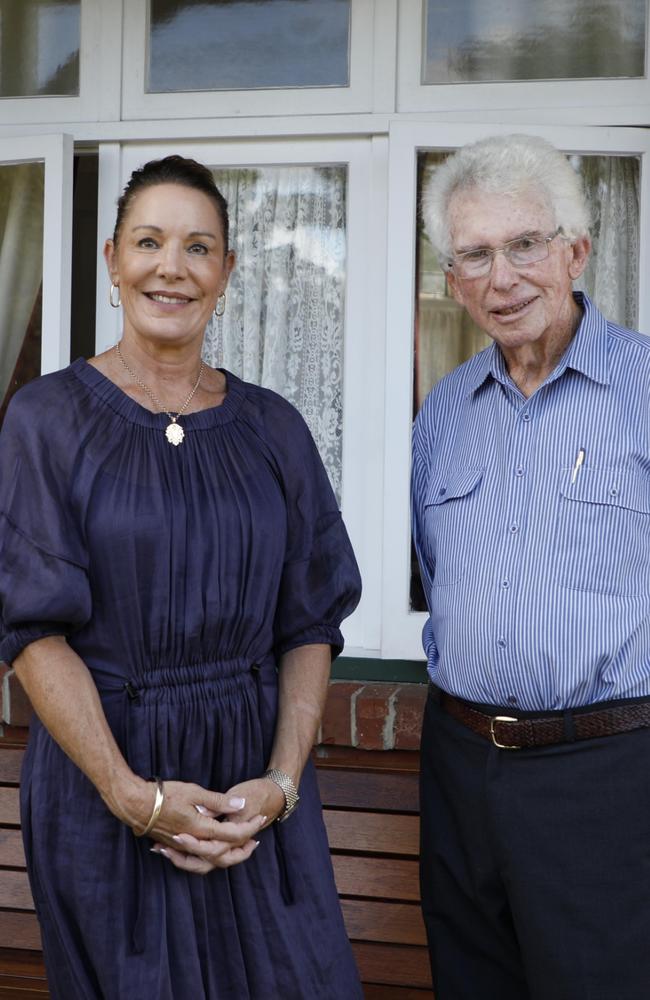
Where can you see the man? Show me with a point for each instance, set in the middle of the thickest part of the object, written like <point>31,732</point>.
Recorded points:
<point>531,513</point>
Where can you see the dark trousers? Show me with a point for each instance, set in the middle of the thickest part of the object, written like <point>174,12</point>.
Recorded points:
<point>535,866</point>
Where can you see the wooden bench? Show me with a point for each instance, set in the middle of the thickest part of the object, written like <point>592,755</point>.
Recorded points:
<point>370,803</point>
<point>22,972</point>
<point>370,800</point>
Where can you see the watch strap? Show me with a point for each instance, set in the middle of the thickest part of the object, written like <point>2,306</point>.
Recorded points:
<point>291,797</point>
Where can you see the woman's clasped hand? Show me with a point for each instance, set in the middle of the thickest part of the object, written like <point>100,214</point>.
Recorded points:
<point>198,830</point>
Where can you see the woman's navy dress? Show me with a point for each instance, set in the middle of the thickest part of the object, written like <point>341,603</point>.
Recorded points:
<point>179,575</point>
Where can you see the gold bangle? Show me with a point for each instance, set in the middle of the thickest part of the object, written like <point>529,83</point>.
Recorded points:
<point>157,807</point>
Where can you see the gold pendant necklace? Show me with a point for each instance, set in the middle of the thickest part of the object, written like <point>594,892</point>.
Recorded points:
<point>173,432</point>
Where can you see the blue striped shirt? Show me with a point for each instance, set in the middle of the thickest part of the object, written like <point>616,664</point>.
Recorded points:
<point>536,567</point>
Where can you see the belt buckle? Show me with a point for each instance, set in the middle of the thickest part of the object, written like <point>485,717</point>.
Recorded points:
<point>502,718</point>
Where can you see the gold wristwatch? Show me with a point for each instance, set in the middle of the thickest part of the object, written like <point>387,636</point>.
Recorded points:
<point>291,797</point>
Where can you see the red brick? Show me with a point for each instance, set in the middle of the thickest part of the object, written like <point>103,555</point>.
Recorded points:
<point>336,727</point>
<point>374,717</point>
<point>409,708</point>
<point>16,708</point>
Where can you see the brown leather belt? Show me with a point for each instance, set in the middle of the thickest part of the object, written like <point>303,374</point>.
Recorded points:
<point>510,733</point>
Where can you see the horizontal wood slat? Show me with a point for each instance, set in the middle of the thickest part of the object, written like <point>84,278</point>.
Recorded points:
<point>14,736</point>
<point>385,878</point>
<point>393,965</point>
<point>377,992</point>
<point>18,989</point>
<point>20,930</point>
<point>392,792</point>
<point>15,891</point>
<point>368,761</point>
<point>12,853</point>
<point>373,832</point>
<point>10,764</point>
<point>394,923</point>
<point>22,975</point>
<point>20,964</point>
<point>9,807</point>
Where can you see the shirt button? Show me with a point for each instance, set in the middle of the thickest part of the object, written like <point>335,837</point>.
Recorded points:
<point>505,584</point>
<point>512,699</point>
<point>501,642</point>
<point>519,472</point>
<point>514,528</point>
<point>526,417</point>
<point>442,491</point>
<point>613,492</point>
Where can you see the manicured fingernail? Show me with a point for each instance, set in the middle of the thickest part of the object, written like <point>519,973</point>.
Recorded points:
<point>155,849</point>
<point>202,810</point>
<point>178,838</point>
<point>264,819</point>
<point>237,803</point>
<point>165,853</point>
<point>257,843</point>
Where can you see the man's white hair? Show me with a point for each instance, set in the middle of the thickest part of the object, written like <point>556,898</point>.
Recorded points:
<point>511,165</point>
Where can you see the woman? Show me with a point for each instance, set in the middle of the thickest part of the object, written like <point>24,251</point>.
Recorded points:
<point>167,537</point>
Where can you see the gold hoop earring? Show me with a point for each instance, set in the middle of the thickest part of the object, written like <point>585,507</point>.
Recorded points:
<point>111,299</point>
<point>220,306</point>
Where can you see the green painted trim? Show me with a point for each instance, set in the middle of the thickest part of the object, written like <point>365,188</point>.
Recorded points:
<point>352,668</point>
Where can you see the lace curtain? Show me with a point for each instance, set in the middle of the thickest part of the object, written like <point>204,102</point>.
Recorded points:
<point>612,274</point>
<point>283,324</point>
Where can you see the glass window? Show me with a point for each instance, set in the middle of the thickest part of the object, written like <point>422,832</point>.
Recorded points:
<point>247,44</point>
<point>21,274</point>
<point>445,336</point>
<point>39,48</point>
<point>468,41</point>
<point>283,324</point>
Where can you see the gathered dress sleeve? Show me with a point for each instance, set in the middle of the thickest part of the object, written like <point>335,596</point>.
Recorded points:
<point>44,587</point>
<point>320,583</point>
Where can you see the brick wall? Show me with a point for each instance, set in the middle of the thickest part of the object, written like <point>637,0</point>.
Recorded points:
<point>373,715</point>
<point>364,714</point>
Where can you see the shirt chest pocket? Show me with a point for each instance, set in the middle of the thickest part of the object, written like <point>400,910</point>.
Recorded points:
<point>603,536</point>
<point>451,522</point>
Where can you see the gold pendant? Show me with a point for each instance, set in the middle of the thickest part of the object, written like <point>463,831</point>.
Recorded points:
<point>174,433</point>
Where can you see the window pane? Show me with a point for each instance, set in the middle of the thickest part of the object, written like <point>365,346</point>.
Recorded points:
<point>21,273</point>
<point>444,334</point>
<point>39,48</point>
<point>247,44</point>
<point>471,41</point>
<point>283,324</point>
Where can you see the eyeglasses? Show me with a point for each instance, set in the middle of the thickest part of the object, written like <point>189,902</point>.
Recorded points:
<point>521,252</point>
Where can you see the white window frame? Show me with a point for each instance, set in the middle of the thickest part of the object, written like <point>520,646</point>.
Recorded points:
<point>357,96</point>
<point>363,348</point>
<point>56,153</point>
<point>594,101</point>
<point>99,74</point>
<point>401,628</point>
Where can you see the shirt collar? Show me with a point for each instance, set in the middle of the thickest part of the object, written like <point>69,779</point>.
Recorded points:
<point>587,352</point>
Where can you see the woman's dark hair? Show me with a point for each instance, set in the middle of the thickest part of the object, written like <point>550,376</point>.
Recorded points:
<point>173,170</point>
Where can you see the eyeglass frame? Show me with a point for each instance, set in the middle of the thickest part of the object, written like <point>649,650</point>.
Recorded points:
<point>547,240</point>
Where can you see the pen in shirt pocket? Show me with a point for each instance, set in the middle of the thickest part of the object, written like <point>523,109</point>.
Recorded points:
<point>576,468</point>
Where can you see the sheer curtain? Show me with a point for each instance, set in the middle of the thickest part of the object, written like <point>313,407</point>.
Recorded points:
<point>612,274</point>
<point>283,324</point>
<point>21,262</point>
